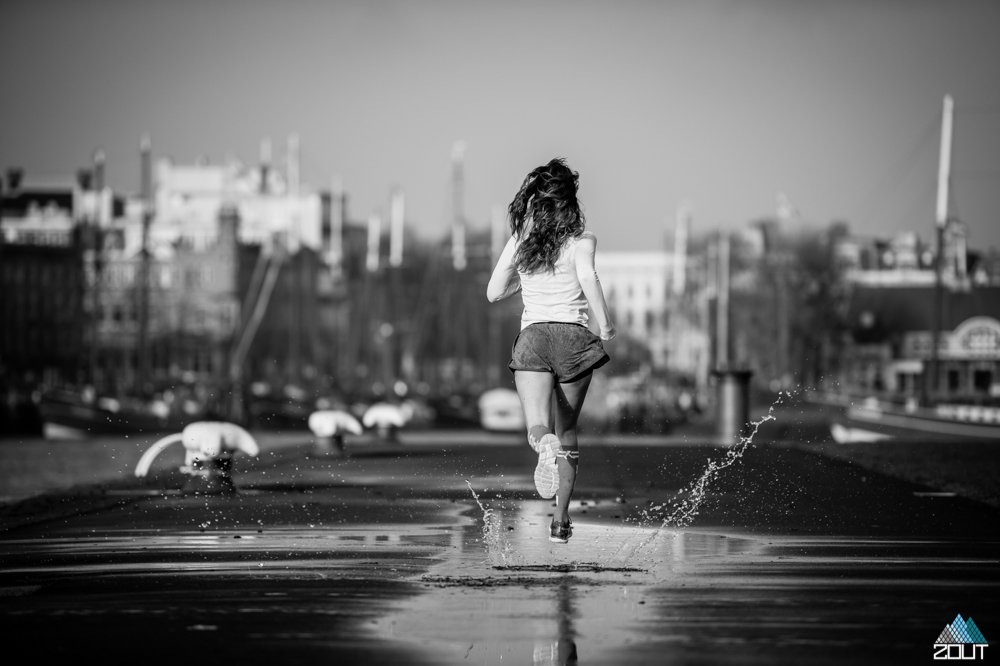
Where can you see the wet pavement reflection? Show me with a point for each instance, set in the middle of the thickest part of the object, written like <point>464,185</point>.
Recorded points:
<point>384,560</point>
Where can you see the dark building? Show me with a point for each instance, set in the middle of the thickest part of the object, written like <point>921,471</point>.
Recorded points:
<point>42,321</point>
<point>892,347</point>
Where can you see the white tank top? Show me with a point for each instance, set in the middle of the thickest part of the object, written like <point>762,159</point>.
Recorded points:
<point>555,296</point>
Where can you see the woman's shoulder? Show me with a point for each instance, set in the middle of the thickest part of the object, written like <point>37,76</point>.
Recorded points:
<point>585,237</point>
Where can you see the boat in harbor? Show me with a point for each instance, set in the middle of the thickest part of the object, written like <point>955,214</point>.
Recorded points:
<point>871,419</point>
<point>78,415</point>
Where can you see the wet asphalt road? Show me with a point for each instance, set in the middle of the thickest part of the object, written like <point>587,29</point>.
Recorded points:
<point>380,558</point>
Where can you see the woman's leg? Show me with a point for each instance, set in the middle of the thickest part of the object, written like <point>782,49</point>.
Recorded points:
<point>535,391</point>
<point>569,400</point>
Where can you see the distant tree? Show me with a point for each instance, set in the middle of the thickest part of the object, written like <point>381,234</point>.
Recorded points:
<point>789,304</point>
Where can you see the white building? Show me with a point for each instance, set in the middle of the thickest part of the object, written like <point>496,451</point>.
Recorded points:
<point>636,285</point>
<point>639,289</point>
<point>189,198</point>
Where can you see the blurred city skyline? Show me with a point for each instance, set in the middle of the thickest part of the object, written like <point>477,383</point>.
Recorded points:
<point>724,104</point>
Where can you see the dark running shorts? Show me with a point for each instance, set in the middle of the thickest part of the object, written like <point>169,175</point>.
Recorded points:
<point>568,351</point>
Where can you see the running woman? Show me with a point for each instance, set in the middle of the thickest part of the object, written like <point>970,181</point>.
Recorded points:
<point>550,259</point>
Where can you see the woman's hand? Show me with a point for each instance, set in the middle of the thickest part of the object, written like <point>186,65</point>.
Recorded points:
<point>608,333</point>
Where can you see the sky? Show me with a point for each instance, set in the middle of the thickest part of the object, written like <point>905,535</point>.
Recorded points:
<point>722,104</point>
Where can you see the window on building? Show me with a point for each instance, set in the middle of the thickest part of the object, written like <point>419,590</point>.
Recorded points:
<point>649,320</point>
<point>981,380</point>
<point>628,319</point>
<point>953,380</point>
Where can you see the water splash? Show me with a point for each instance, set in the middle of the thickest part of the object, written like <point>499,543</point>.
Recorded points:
<point>498,548</point>
<point>682,511</point>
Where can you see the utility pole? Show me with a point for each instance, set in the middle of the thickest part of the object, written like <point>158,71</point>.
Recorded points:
<point>722,305</point>
<point>930,384</point>
<point>682,224</point>
<point>146,161</point>
<point>498,240</point>
<point>457,206</point>
<point>335,249</point>
<point>733,388</point>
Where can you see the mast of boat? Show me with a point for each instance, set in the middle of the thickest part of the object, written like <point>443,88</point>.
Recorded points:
<point>398,304</point>
<point>930,385</point>
<point>293,368</point>
<point>258,296</point>
<point>146,166</point>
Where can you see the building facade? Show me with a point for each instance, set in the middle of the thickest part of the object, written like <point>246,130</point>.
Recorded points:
<point>46,234</point>
<point>892,319</point>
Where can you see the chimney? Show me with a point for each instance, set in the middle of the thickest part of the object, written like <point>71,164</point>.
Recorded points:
<point>374,236</point>
<point>85,179</point>
<point>14,177</point>
<point>99,170</point>
<point>265,163</point>
<point>146,170</point>
<point>396,228</point>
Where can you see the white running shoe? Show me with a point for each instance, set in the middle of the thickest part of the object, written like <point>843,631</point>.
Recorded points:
<point>546,471</point>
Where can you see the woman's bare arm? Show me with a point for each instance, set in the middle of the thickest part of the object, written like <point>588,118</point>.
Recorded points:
<point>505,281</point>
<point>586,272</point>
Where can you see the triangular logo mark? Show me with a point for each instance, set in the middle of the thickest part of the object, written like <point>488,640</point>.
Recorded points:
<point>945,637</point>
<point>974,633</point>
<point>958,629</point>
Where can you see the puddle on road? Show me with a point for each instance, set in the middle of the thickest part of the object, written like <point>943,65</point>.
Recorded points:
<point>589,567</point>
<point>558,604</point>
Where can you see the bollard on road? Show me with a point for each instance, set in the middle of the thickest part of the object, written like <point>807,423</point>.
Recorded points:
<point>208,455</point>
<point>329,426</point>
<point>733,406</point>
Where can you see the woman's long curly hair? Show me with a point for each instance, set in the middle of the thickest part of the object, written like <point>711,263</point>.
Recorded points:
<point>544,215</point>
